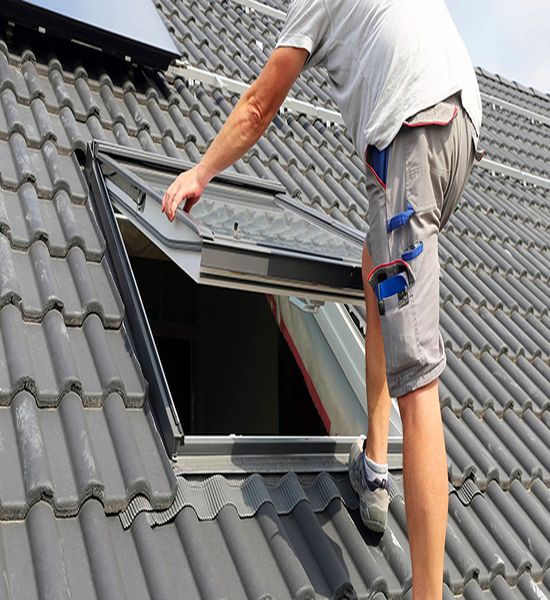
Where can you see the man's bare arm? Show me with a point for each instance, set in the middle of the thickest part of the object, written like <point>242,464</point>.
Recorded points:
<point>244,126</point>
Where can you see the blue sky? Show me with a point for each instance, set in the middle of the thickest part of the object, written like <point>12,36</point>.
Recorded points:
<point>510,37</point>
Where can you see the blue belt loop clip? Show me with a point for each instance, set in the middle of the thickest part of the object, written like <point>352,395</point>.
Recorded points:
<point>401,218</point>
<point>413,251</point>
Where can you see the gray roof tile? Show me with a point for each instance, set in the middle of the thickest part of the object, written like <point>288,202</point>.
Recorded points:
<point>37,282</point>
<point>492,447</point>
<point>75,423</point>
<point>48,170</point>
<point>68,455</point>
<point>526,587</point>
<point>51,359</point>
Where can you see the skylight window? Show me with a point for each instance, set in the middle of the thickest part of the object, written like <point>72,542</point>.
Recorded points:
<point>287,361</point>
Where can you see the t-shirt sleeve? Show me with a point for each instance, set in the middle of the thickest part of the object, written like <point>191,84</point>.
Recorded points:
<point>306,26</point>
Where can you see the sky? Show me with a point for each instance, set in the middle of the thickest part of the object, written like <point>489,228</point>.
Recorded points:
<point>508,37</point>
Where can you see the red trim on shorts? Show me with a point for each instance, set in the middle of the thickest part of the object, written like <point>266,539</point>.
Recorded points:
<point>426,123</point>
<point>375,175</point>
<point>389,264</point>
<point>307,377</point>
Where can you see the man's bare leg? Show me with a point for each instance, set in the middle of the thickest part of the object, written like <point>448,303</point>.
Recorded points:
<point>424,457</point>
<point>425,487</point>
<point>378,397</point>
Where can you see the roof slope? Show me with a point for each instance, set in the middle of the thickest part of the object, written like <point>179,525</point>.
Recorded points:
<point>79,442</point>
<point>73,417</point>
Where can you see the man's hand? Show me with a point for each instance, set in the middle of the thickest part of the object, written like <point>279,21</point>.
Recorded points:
<point>247,122</point>
<point>187,186</point>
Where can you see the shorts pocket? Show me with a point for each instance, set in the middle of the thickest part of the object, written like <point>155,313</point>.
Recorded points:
<point>440,115</point>
<point>427,172</point>
<point>401,342</point>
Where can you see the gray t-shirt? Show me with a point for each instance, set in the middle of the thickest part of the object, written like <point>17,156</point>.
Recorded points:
<point>386,60</point>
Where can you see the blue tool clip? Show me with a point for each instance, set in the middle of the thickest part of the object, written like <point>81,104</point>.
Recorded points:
<point>389,279</point>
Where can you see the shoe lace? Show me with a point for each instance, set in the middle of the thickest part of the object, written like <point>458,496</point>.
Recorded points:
<point>378,483</point>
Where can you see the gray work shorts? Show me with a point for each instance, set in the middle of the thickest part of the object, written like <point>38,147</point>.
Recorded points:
<point>429,162</point>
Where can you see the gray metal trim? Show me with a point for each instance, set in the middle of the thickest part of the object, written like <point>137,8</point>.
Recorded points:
<point>262,8</point>
<point>174,165</point>
<point>139,330</point>
<point>257,286</point>
<point>269,270</point>
<point>520,110</point>
<point>253,445</point>
<point>266,463</point>
<point>525,176</point>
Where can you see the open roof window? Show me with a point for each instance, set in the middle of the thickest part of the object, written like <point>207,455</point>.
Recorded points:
<point>131,30</point>
<point>244,234</point>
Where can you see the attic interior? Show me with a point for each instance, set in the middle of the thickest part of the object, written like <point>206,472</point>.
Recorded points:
<point>228,367</point>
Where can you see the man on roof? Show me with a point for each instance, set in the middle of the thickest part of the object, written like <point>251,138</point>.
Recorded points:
<point>408,93</point>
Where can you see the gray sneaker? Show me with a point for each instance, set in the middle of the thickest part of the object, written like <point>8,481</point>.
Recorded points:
<point>374,498</point>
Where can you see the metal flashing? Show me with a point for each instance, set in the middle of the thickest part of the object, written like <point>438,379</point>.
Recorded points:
<point>139,330</point>
<point>209,496</point>
<point>262,8</point>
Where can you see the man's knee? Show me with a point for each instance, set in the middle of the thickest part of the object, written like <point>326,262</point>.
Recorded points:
<point>419,400</point>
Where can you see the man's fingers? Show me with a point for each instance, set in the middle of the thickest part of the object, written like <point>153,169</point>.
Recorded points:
<point>173,209</point>
<point>166,200</point>
<point>176,201</point>
<point>179,197</point>
<point>189,203</point>
<point>183,189</point>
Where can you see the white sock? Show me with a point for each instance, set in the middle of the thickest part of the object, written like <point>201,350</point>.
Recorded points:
<point>374,470</point>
